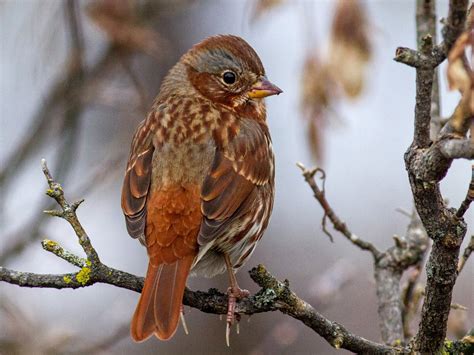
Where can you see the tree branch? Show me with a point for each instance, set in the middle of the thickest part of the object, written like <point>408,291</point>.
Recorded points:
<point>56,249</point>
<point>453,27</point>
<point>68,212</point>
<point>411,299</point>
<point>457,149</point>
<point>469,197</point>
<point>388,265</point>
<point>467,252</point>
<point>338,225</point>
<point>30,231</point>
<point>426,166</point>
<point>388,269</point>
<point>274,294</point>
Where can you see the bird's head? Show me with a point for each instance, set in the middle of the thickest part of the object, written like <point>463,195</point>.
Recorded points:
<point>226,70</point>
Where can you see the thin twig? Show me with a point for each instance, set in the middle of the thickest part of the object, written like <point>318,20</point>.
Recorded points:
<point>30,231</point>
<point>465,255</point>
<point>59,251</point>
<point>319,194</point>
<point>68,212</point>
<point>469,197</point>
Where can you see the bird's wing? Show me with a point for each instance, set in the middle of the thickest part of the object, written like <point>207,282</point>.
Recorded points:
<point>137,180</point>
<point>233,185</point>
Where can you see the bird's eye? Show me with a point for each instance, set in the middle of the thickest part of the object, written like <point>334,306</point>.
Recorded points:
<point>229,77</point>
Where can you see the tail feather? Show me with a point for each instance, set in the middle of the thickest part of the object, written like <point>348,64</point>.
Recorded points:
<point>158,309</point>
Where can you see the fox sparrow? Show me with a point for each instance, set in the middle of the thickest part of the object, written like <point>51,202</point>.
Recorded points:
<point>198,190</point>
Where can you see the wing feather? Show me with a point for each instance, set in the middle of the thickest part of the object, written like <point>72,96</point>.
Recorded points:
<point>137,181</point>
<point>232,187</point>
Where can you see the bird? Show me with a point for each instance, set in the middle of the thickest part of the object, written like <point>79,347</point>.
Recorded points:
<point>199,185</point>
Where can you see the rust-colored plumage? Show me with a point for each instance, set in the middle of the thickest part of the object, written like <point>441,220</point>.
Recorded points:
<point>198,190</point>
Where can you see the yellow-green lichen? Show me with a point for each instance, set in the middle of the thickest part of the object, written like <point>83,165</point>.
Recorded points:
<point>83,276</point>
<point>397,342</point>
<point>67,279</point>
<point>448,348</point>
<point>337,341</point>
<point>50,244</point>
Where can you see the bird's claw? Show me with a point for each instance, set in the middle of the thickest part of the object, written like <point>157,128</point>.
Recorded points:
<point>183,320</point>
<point>233,294</point>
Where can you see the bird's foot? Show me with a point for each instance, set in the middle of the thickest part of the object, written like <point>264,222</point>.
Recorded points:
<point>234,294</point>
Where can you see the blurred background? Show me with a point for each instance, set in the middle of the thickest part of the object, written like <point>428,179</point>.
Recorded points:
<point>76,77</point>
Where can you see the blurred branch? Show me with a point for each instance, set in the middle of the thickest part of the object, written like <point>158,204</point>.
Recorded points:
<point>63,106</point>
<point>274,295</point>
<point>411,299</point>
<point>340,226</point>
<point>65,92</point>
<point>67,96</point>
<point>142,94</point>
<point>408,251</point>
<point>73,106</point>
<point>465,255</point>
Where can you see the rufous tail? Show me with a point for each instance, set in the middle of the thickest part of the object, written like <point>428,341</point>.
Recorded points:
<point>158,309</point>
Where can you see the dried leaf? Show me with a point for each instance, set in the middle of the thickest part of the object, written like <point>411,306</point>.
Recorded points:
<point>461,77</point>
<point>119,20</point>
<point>315,138</point>
<point>458,323</point>
<point>317,92</point>
<point>263,6</point>
<point>468,339</point>
<point>316,86</point>
<point>349,50</point>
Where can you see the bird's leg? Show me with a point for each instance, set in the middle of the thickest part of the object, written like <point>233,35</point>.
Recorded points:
<point>234,293</point>
<point>183,321</point>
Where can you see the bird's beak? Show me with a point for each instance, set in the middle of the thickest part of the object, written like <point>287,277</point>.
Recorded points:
<point>263,88</point>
